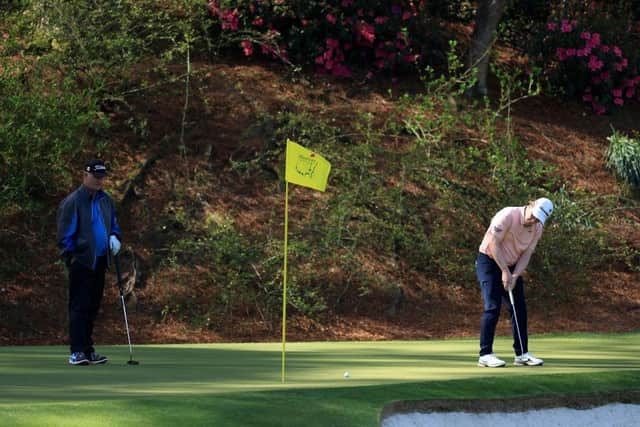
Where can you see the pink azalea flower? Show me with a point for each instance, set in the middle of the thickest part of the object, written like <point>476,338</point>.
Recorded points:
<point>230,19</point>
<point>247,47</point>
<point>406,15</point>
<point>587,97</point>
<point>617,51</point>
<point>630,92</point>
<point>331,19</point>
<point>598,108</point>
<point>617,93</point>
<point>566,27</point>
<point>258,22</point>
<point>594,41</point>
<point>551,26</point>
<point>604,48</point>
<point>585,35</point>
<point>304,22</point>
<point>381,19</point>
<point>411,58</point>
<point>320,59</point>
<point>605,75</point>
<point>561,53</point>
<point>571,52</point>
<point>618,101</point>
<point>594,63</point>
<point>347,3</point>
<point>574,22</point>
<point>332,43</point>
<point>581,53</point>
<point>366,32</point>
<point>341,70</point>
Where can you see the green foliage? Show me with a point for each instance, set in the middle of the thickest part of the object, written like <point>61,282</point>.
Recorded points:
<point>623,156</point>
<point>231,258</point>
<point>98,43</point>
<point>60,63</point>
<point>43,124</point>
<point>570,248</point>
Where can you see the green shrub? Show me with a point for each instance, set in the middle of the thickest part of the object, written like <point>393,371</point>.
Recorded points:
<point>44,124</point>
<point>623,156</point>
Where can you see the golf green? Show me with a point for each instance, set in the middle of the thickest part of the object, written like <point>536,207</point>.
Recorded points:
<point>240,384</point>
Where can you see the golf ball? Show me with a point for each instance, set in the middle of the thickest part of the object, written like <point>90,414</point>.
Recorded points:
<point>346,374</point>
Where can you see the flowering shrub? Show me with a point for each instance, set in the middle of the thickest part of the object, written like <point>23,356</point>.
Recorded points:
<point>335,36</point>
<point>586,66</point>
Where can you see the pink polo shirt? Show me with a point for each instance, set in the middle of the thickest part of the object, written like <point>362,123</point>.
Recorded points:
<point>507,228</point>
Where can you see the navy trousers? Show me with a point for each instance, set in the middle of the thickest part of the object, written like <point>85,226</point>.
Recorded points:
<point>86,287</point>
<point>493,293</point>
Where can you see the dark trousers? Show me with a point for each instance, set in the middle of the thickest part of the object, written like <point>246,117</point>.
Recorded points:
<point>86,287</point>
<point>493,293</point>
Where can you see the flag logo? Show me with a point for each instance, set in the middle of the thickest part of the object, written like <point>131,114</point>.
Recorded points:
<point>306,168</point>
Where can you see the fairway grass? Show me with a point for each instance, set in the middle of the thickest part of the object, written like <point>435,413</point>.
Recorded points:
<point>240,384</point>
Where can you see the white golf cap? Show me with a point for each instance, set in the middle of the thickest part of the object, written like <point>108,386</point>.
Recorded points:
<point>542,209</point>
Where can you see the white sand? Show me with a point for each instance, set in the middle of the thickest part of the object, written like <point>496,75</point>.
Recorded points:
<point>613,415</point>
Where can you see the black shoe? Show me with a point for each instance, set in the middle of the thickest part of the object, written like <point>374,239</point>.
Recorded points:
<point>97,359</point>
<point>78,358</point>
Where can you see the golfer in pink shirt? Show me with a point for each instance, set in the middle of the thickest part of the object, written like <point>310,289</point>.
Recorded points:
<point>503,257</point>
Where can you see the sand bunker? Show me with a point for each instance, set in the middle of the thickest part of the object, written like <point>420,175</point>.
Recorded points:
<point>616,409</point>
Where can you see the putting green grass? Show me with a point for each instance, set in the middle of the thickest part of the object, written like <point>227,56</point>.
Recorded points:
<point>240,385</point>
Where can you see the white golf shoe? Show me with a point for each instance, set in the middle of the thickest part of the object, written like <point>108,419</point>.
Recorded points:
<point>527,359</point>
<point>490,361</point>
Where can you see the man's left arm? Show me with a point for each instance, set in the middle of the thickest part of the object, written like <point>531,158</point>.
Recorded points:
<point>523,262</point>
<point>115,228</point>
<point>114,238</point>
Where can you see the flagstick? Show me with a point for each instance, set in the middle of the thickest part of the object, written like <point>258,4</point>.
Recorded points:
<point>284,274</point>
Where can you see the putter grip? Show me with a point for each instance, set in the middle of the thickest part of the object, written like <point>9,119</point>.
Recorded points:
<point>511,297</point>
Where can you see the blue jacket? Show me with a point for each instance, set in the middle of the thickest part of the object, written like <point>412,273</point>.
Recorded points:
<point>77,227</point>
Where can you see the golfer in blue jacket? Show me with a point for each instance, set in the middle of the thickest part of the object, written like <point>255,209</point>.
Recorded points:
<point>88,236</point>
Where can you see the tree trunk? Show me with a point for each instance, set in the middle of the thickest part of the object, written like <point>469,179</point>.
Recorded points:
<point>487,18</point>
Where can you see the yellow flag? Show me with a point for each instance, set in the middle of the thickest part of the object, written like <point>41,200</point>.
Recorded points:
<point>306,168</point>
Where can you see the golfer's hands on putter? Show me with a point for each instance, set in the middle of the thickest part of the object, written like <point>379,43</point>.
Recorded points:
<point>508,280</point>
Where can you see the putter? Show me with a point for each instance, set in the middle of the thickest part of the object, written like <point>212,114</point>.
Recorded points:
<point>124,310</point>
<point>515,317</point>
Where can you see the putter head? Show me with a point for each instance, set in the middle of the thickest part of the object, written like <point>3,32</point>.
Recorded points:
<point>133,362</point>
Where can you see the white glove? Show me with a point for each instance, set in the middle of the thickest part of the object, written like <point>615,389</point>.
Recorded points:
<point>114,245</point>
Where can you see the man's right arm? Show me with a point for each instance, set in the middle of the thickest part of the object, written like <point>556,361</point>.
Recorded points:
<point>496,253</point>
<point>67,225</point>
<point>497,231</point>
